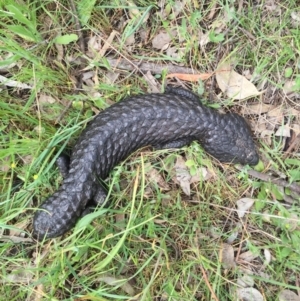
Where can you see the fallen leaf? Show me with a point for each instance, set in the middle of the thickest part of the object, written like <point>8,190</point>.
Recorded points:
<point>234,234</point>
<point>175,52</point>
<point>46,99</point>
<point>290,223</point>
<point>153,84</point>
<point>60,52</point>
<point>18,228</point>
<point>202,174</point>
<point>111,77</point>
<point>94,45</point>
<point>10,62</point>
<point>156,177</point>
<point>290,89</point>
<point>296,128</point>
<point>227,256</point>
<point>117,282</point>
<point>176,9</point>
<point>266,135</point>
<point>249,294</point>
<point>203,38</point>
<point>130,40</point>
<point>287,295</point>
<point>233,84</point>
<point>190,77</point>
<point>18,276</point>
<point>245,281</point>
<point>296,16</point>
<point>268,256</point>
<point>5,164</point>
<point>270,5</point>
<point>283,131</point>
<point>162,39</point>
<point>275,115</point>
<point>133,10</point>
<point>88,75</point>
<point>107,44</point>
<point>13,83</point>
<point>183,176</point>
<point>243,205</point>
<point>248,256</point>
<point>258,108</point>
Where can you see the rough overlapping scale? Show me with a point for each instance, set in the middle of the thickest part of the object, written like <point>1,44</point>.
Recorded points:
<point>159,120</point>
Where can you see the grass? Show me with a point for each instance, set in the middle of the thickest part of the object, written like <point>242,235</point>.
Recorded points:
<point>150,243</point>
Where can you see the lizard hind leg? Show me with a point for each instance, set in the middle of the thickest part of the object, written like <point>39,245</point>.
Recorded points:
<point>63,164</point>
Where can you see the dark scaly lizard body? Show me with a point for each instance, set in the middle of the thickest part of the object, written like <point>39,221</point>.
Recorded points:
<point>173,119</point>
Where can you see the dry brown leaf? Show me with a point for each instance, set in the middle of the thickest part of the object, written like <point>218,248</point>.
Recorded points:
<point>176,9</point>
<point>290,223</point>
<point>203,38</point>
<point>18,228</point>
<point>153,84</point>
<point>133,10</point>
<point>162,39</point>
<point>234,234</point>
<point>290,89</point>
<point>287,295</point>
<point>296,16</point>
<point>233,84</point>
<point>130,40</point>
<point>94,46</point>
<point>227,256</point>
<point>190,77</point>
<point>183,176</point>
<point>202,174</point>
<point>175,52</point>
<point>248,256</point>
<point>275,116</point>
<point>283,131</point>
<point>296,128</point>
<point>111,77</point>
<point>19,276</point>
<point>13,83</point>
<point>156,177</point>
<point>243,205</point>
<point>214,232</point>
<point>117,282</point>
<point>245,281</point>
<point>45,99</point>
<point>15,239</point>
<point>268,256</point>
<point>258,108</point>
<point>4,57</point>
<point>5,164</point>
<point>249,294</point>
<point>107,44</point>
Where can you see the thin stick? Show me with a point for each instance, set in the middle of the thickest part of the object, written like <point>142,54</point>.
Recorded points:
<point>292,146</point>
<point>266,178</point>
<point>208,284</point>
<point>78,26</point>
<point>148,66</point>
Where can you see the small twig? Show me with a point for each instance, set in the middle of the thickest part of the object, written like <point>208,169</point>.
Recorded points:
<point>212,11</point>
<point>62,114</point>
<point>82,48</point>
<point>208,284</point>
<point>292,146</point>
<point>267,178</point>
<point>15,239</point>
<point>148,66</point>
<point>78,26</point>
